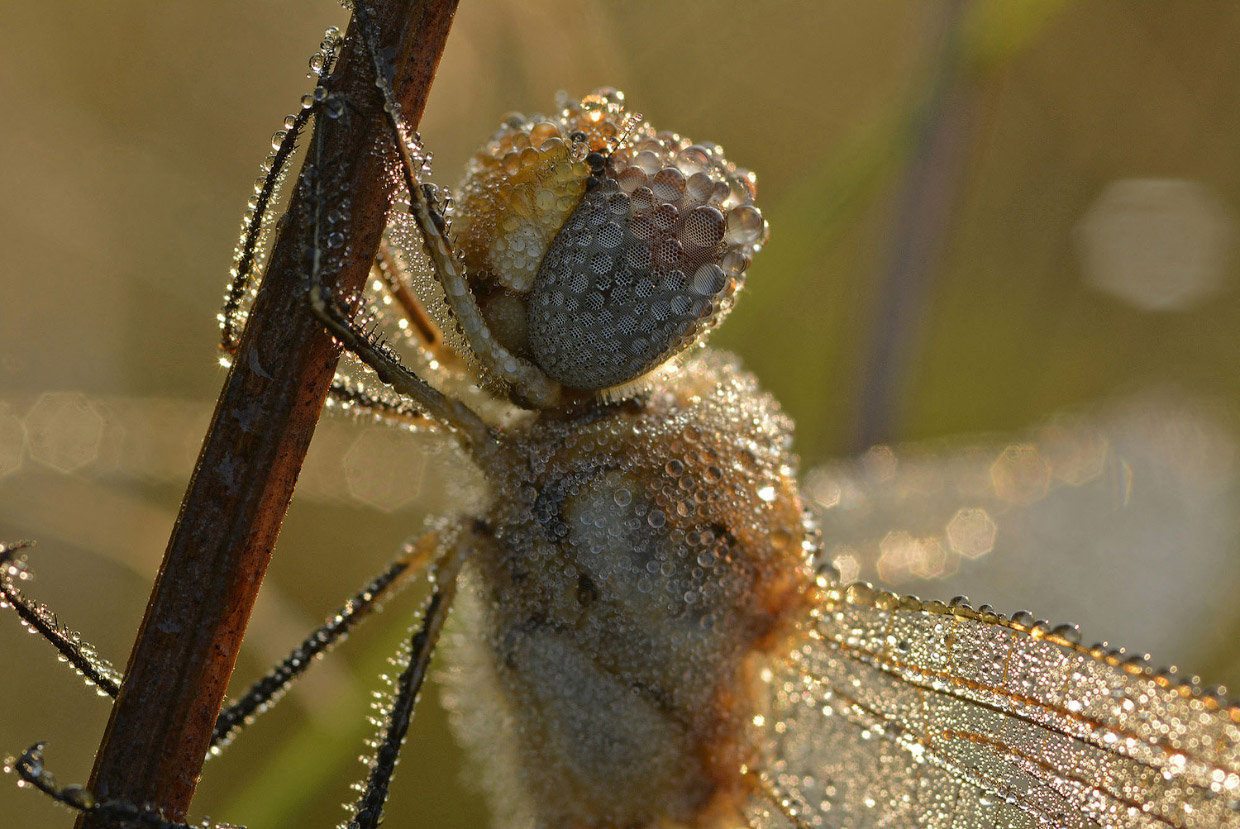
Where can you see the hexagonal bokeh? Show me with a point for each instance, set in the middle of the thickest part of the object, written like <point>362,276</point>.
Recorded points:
<point>1158,244</point>
<point>902,555</point>
<point>64,430</point>
<point>971,532</point>
<point>1020,475</point>
<point>385,468</point>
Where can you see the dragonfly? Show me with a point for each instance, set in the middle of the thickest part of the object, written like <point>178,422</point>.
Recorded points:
<point>785,788</point>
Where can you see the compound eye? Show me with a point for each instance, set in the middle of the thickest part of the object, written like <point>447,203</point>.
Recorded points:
<point>645,265</point>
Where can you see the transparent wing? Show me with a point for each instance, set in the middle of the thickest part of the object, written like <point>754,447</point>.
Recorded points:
<point>895,712</point>
<point>1125,520</point>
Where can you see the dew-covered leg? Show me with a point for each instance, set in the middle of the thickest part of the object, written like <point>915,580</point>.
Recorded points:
<point>241,275</point>
<point>247,257</point>
<point>99,672</point>
<point>257,219</point>
<point>354,396</point>
<point>527,379</point>
<point>366,345</point>
<point>30,771</point>
<point>368,812</point>
<point>78,654</point>
<point>268,690</point>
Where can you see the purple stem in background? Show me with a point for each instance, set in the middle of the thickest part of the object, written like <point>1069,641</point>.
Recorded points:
<point>924,205</point>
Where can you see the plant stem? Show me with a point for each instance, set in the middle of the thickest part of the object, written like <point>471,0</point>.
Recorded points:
<point>157,736</point>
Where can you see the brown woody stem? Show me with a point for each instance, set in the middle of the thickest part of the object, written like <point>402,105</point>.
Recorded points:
<point>160,727</point>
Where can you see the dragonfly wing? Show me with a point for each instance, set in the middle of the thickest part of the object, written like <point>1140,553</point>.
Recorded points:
<point>1125,520</point>
<point>896,712</point>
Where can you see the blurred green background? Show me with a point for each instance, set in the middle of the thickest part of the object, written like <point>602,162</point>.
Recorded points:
<point>935,174</point>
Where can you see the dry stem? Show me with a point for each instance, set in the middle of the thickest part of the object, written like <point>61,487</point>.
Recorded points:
<point>161,724</point>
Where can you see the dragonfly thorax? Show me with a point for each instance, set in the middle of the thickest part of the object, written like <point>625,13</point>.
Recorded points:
<point>637,569</point>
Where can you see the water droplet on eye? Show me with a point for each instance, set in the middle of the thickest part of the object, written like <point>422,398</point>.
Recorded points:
<point>648,162</point>
<point>668,184</point>
<point>734,263</point>
<point>704,227</point>
<point>745,225</point>
<point>699,187</point>
<point>708,280</point>
<point>675,468</point>
<point>693,160</point>
<point>642,199</point>
<point>622,497</point>
<point>656,518</point>
<point>630,178</point>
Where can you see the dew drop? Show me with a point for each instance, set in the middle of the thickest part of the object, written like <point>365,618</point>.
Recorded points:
<point>745,225</point>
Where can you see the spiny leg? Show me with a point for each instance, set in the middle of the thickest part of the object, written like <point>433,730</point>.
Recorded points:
<point>415,323</point>
<point>368,811</point>
<point>31,772</point>
<point>98,671</point>
<point>422,326</point>
<point>369,348</point>
<point>79,654</point>
<point>242,274</point>
<point>352,395</point>
<point>527,379</point>
<point>344,393</point>
<point>29,767</point>
<point>268,690</point>
<point>254,226</point>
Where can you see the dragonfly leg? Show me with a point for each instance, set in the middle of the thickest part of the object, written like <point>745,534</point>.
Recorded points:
<point>368,811</point>
<point>528,382</point>
<point>74,651</point>
<point>267,690</point>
